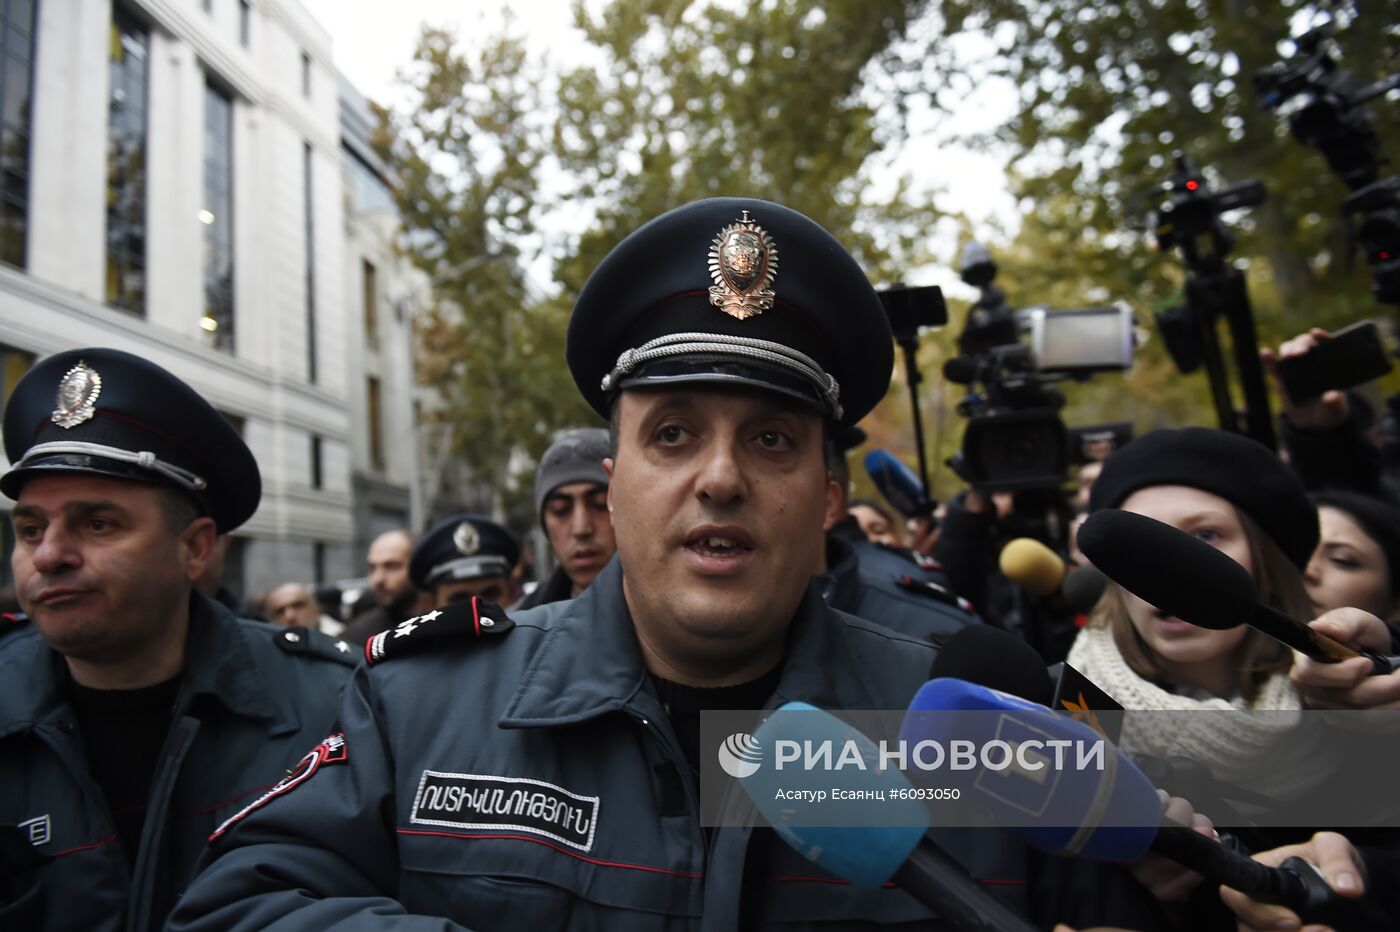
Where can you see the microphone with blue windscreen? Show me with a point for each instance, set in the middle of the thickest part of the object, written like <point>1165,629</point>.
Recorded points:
<point>866,856</point>
<point>899,484</point>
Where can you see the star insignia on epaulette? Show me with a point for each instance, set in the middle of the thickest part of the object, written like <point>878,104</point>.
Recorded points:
<point>460,620</point>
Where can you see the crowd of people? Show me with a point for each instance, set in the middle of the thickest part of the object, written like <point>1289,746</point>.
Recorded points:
<point>166,763</point>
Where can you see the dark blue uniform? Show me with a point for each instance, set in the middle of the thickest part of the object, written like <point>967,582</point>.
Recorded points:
<point>559,706</point>
<point>248,706</point>
<point>108,788</point>
<point>865,580</point>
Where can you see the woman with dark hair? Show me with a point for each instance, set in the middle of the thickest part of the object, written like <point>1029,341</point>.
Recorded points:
<point>1357,561</point>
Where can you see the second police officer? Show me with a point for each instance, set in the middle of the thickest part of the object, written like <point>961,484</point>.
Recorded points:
<point>135,712</point>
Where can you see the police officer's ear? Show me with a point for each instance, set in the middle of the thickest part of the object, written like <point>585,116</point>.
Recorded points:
<point>197,543</point>
<point>608,468</point>
<point>835,502</point>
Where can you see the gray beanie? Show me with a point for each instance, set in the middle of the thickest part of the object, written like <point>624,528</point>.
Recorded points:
<point>576,456</point>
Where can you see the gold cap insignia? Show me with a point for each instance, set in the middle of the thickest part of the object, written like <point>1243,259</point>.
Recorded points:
<point>743,264</point>
<point>466,539</point>
<point>77,395</point>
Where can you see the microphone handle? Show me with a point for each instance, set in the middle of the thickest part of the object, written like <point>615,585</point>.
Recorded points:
<point>1315,644</point>
<point>940,883</point>
<point>1285,886</point>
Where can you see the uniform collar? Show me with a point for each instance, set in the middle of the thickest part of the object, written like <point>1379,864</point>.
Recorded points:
<point>589,662</point>
<point>218,663</point>
<point>840,584</point>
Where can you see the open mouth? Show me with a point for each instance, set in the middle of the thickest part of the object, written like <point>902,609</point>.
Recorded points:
<point>719,543</point>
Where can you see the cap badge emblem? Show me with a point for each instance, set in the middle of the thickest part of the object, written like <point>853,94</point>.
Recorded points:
<point>743,264</point>
<point>77,395</point>
<point>466,539</point>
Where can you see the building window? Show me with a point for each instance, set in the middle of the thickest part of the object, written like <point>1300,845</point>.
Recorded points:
<point>126,164</point>
<point>371,285</point>
<point>14,363</point>
<point>16,90</point>
<point>318,561</point>
<point>376,424</point>
<point>316,476</point>
<point>310,237</point>
<point>217,217</point>
<point>245,22</point>
<point>305,75</point>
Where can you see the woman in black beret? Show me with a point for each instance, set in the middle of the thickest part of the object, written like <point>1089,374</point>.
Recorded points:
<point>1236,495</point>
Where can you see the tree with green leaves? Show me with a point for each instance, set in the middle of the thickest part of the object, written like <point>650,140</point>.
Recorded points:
<point>788,101</point>
<point>1105,92</point>
<point>467,148</point>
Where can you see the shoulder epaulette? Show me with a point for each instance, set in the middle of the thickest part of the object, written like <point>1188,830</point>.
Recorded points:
<point>922,560</point>
<point>316,644</point>
<point>456,623</point>
<point>13,623</point>
<point>935,591</point>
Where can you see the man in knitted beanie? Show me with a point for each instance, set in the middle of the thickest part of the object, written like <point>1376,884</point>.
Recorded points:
<point>571,491</point>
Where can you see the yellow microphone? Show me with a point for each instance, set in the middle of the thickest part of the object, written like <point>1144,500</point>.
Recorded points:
<point>1032,566</point>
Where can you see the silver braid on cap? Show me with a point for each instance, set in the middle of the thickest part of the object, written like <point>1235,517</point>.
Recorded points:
<point>144,459</point>
<point>691,344</point>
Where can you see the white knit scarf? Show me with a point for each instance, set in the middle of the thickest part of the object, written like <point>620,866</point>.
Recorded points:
<point>1237,748</point>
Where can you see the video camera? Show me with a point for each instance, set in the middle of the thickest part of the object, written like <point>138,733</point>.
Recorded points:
<point>1015,439</point>
<point>1322,103</point>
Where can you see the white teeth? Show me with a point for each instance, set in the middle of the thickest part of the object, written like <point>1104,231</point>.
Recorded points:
<point>720,543</point>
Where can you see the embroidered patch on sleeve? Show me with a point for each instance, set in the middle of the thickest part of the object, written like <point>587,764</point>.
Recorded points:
<point>330,751</point>
<point>470,800</point>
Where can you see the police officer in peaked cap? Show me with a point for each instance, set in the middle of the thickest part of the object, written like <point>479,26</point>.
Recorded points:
<point>724,341</point>
<point>896,586</point>
<point>464,556</point>
<point>135,713</point>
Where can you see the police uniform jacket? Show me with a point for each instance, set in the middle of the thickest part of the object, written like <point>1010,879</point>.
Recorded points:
<point>249,704</point>
<point>885,585</point>
<point>558,706</point>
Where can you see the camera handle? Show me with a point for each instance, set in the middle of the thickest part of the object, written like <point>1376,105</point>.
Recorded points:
<point>909,349</point>
<point>1222,293</point>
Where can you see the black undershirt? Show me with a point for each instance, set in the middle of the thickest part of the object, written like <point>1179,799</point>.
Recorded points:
<point>683,705</point>
<point>123,731</point>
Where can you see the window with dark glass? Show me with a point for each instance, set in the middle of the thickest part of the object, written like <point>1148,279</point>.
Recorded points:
<point>16,93</point>
<point>316,476</point>
<point>310,238</point>
<point>305,75</point>
<point>376,423</point>
<point>245,17</point>
<point>217,217</point>
<point>318,560</point>
<point>371,288</point>
<point>14,363</point>
<point>126,163</point>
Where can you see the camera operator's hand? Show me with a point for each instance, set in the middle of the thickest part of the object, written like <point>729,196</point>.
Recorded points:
<point>1333,855</point>
<point>1325,413</point>
<point>1347,685</point>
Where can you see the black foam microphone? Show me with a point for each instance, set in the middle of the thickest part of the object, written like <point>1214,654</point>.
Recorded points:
<point>1200,584</point>
<point>996,659</point>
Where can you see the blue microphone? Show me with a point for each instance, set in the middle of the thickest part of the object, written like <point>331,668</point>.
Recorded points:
<point>1109,815</point>
<point>899,484</point>
<point>865,856</point>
